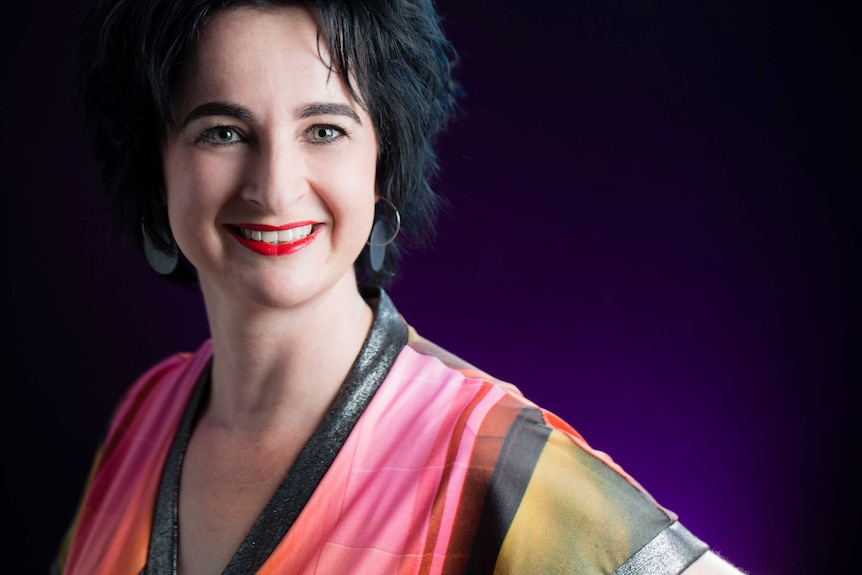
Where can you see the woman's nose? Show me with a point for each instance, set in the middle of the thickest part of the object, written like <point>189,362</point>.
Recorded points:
<point>276,177</point>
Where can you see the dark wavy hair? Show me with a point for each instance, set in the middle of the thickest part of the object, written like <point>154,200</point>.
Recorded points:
<point>392,54</point>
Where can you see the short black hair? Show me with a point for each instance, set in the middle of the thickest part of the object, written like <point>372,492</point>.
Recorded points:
<point>392,54</point>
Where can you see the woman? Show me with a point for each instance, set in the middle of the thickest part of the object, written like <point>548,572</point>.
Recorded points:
<point>280,148</point>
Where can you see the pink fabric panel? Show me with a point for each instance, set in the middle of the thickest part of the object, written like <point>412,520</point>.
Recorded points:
<point>120,502</point>
<point>389,477</point>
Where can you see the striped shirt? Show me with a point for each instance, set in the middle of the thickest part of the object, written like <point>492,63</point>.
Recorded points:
<point>423,464</point>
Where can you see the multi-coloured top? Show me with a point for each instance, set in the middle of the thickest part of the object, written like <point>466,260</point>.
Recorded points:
<point>423,464</point>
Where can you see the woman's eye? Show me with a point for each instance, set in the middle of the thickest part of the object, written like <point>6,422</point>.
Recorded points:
<point>324,134</point>
<point>220,136</point>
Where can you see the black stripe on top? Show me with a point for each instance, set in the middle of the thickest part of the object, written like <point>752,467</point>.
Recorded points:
<point>518,457</point>
<point>386,339</point>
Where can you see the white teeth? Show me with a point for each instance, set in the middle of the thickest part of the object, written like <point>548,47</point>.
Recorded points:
<point>294,234</point>
<point>285,235</point>
<point>281,236</point>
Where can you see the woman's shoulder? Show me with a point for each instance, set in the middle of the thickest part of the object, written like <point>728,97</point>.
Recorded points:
<point>161,387</point>
<point>433,352</point>
<point>543,478</point>
<point>501,405</point>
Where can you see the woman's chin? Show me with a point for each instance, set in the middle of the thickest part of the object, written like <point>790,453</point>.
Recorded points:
<point>281,290</point>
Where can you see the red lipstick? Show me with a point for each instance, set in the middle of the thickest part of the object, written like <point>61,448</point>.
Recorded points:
<point>266,249</point>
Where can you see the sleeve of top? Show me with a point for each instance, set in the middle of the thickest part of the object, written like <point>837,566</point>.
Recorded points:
<point>558,506</point>
<point>59,564</point>
<point>125,409</point>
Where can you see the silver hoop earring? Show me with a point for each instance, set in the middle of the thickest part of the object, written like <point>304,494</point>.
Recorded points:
<point>163,262</point>
<point>379,233</point>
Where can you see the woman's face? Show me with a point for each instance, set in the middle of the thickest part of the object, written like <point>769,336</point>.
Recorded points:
<point>270,175</point>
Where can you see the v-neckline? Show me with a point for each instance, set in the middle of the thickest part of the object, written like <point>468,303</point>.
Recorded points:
<point>386,338</point>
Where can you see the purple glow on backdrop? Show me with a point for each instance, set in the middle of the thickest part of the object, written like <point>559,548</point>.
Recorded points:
<point>647,235</point>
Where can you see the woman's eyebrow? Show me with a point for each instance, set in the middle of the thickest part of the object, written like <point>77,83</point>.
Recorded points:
<point>326,109</point>
<point>218,109</point>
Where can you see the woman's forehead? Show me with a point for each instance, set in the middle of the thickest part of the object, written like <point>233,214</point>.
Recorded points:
<point>250,53</point>
<point>238,36</point>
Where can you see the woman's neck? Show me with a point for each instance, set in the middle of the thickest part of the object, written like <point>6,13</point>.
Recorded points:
<point>278,370</point>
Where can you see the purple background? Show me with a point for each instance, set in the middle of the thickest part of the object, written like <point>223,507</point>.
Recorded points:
<point>652,233</point>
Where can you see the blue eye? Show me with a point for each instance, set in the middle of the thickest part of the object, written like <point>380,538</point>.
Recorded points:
<point>220,136</point>
<point>324,134</point>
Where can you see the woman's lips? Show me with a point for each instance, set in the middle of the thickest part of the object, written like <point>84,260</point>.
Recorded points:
<point>275,240</point>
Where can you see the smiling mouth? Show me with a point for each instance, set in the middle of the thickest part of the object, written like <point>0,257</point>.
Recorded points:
<point>279,237</point>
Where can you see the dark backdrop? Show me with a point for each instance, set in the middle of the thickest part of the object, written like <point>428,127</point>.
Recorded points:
<point>652,233</point>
